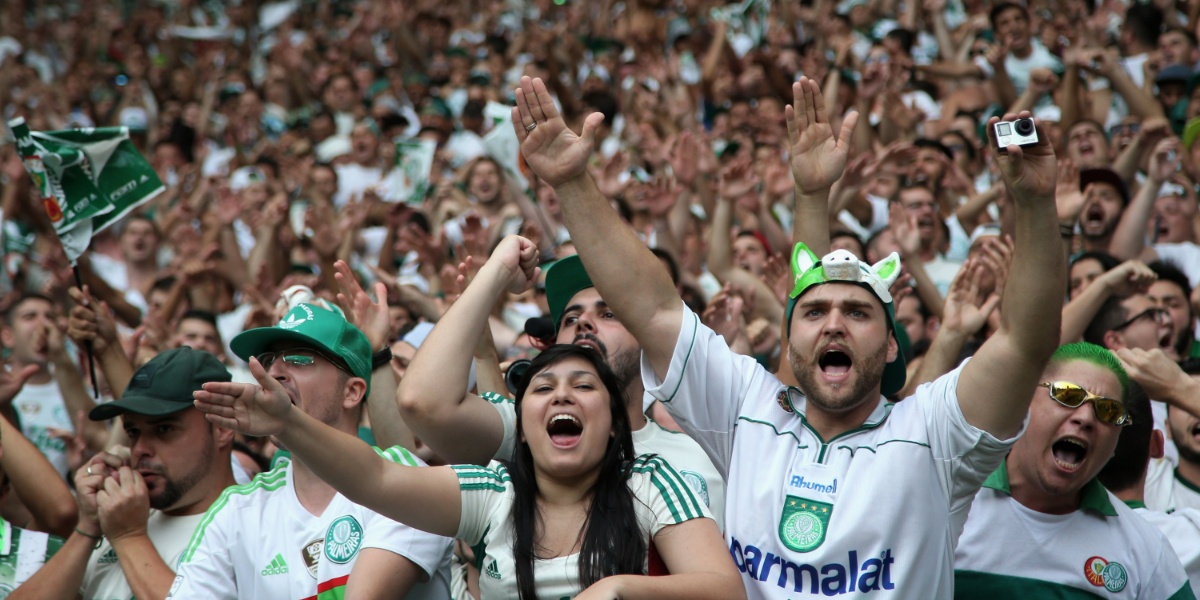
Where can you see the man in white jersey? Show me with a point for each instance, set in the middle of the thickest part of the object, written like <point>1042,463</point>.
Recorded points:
<point>138,506</point>
<point>580,317</point>
<point>1125,477</point>
<point>836,490</point>
<point>1043,525</point>
<point>287,534</point>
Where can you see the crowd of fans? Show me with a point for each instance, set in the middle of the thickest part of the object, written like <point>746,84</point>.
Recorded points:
<point>402,219</point>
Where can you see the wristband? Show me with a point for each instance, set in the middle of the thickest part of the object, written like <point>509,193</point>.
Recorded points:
<point>381,358</point>
<point>99,538</point>
<point>1066,230</point>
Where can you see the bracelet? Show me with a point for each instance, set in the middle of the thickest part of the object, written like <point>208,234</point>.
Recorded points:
<point>99,538</point>
<point>1066,230</point>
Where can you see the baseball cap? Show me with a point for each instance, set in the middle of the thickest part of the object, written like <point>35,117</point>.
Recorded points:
<point>840,266</point>
<point>164,385</point>
<point>564,279</point>
<point>309,325</point>
<point>1173,74</point>
<point>1103,175</point>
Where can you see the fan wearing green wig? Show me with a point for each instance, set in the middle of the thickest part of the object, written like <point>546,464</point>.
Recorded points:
<point>832,471</point>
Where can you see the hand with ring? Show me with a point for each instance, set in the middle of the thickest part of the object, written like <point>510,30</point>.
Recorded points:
<point>531,126</point>
<point>88,481</point>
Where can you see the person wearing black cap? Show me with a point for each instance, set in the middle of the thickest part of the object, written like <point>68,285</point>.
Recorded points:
<point>139,506</point>
<point>1105,196</point>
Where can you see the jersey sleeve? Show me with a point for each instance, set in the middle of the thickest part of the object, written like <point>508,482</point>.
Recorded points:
<point>425,550</point>
<point>483,491</point>
<point>705,386</point>
<point>206,568</point>
<point>508,415</point>
<point>1169,580</point>
<point>661,496</point>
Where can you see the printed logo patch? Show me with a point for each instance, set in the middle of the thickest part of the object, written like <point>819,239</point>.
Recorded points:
<point>277,566</point>
<point>492,570</point>
<point>109,557</point>
<point>1108,575</point>
<point>312,555</point>
<point>804,523</point>
<point>342,539</point>
<point>698,485</point>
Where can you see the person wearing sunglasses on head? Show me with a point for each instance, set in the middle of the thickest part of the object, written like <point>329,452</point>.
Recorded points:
<point>1043,524</point>
<point>287,533</point>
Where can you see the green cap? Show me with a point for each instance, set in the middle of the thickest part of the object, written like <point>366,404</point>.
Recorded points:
<point>1190,132</point>
<point>164,385</point>
<point>840,266</point>
<point>564,279</point>
<point>310,326</point>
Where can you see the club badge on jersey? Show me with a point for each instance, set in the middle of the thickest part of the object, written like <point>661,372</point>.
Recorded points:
<point>807,507</point>
<point>312,556</point>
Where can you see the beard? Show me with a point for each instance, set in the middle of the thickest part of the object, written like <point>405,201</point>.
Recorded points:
<point>174,489</point>
<point>862,386</point>
<point>626,364</point>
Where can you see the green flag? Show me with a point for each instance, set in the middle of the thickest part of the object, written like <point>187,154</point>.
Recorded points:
<point>86,178</point>
<point>410,177</point>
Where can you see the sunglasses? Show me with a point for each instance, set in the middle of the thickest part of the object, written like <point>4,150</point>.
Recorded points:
<point>1107,410</point>
<point>1158,314</point>
<point>298,357</point>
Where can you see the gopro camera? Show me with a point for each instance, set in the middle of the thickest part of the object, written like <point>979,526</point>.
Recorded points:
<point>1016,133</point>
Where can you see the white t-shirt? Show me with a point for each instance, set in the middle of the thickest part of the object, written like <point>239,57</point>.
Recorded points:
<point>1007,550</point>
<point>1182,529</point>
<point>258,542</point>
<point>104,579</point>
<point>660,499</point>
<point>116,274</point>
<point>875,508</point>
<point>1166,491</point>
<point>353,180</point>
<point>22,553</point>
<point>680,450</point>
<point>1185,255</point>
<point>1018,69</point>
<point>41,408</point>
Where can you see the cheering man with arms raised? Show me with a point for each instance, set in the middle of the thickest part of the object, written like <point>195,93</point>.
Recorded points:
<point>834,490</point>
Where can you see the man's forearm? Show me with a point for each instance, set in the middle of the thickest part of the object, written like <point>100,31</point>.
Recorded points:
<point>810,223</point>
<point>62,576</point>
<point>36,483</point>
<point>147,575</point>
<point>387,425</point>
<point>76,398</point>
<point>1128,238</point>
<point>1031,315</point>
<point>116,368</point>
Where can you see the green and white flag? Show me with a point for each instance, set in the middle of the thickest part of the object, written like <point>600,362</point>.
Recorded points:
<point>410,176</point>
<point>87,179</point>
<point>501,143</point>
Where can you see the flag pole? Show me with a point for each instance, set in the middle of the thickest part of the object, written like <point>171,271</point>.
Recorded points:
<point>87,344</point>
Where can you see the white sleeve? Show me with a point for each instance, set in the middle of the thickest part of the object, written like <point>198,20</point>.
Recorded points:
<point>483,490</point>
<point>705,386</point>
<point>425,550</point>
<point>206,568</point>
<point>508,415</point>
<point>663,497</point>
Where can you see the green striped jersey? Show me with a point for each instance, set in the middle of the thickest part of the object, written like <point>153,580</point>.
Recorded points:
<point>22,553</point>
<point>661,498</point>
<point>258,542</point>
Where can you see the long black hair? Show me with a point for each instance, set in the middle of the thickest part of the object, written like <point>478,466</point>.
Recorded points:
<point>613,543</point>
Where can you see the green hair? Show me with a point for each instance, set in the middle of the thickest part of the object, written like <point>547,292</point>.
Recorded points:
<point>1097,355</point>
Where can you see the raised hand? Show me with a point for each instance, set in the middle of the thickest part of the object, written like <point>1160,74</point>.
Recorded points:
<point>1128,278</point>
<point>904,228</point>
<point>1031,174</point>
<point>553,152</point>
<point>1164,161</point>
<point>818,158</point>
<point>369,316</point>
<point>964,312</point>
<point>1067,195</point>
<point>255,410</point>
<point>518,257</point>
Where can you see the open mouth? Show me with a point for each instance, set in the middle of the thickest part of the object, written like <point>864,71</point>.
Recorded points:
<point>564,430</point>
<point>1196,431</point>
<point>1094,216</point>
<point>1069,453</point>
<point>835,363</point>
<point>1086,150</point>
<point>1164,339</point>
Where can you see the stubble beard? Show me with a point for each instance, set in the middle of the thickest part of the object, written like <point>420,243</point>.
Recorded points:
<point>844,398</point>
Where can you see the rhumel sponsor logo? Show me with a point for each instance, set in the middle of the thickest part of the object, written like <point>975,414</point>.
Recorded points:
<point>855,575</point>
<point>798,481</point>
<point>1108,575</point>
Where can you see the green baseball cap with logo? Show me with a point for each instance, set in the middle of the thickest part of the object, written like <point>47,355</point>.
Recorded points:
<point>310,326</point>
<point>164,385</point>
<point>564,279</point>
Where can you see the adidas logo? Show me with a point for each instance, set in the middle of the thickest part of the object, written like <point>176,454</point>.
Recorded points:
<point>492,570</point>
<point>277,567</point>
<point>291,322</point>
<point>109,557</point>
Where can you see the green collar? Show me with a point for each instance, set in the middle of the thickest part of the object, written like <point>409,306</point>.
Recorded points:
<point>1185,483</point>
<point>1135,504</point>
<point>1093,496</point>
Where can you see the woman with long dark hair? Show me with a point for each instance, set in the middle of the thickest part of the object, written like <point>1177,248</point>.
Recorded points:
<point>575,514</point>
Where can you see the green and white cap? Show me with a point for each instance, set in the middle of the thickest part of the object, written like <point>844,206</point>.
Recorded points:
<point>309,325</point>
<point>840,266</point>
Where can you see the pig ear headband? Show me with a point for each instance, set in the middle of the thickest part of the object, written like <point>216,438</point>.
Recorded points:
<point>843,266</point>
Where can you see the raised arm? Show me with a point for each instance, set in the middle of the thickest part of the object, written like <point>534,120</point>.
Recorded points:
<point>1129,238</point>
<point>433,396</point>
<point>818,160</point>
<point>33,478</point>
<point>1010,362</point>
<point>426,498</point>
<point>612,254</point>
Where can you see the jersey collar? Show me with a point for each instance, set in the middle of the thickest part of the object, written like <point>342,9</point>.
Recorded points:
<point>792,400</point>
<point>1093,495</point>
<point>1185,483</point>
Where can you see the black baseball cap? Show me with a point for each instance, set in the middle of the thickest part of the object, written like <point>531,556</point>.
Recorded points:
<point>1104,175</point>
<point>164,385</point>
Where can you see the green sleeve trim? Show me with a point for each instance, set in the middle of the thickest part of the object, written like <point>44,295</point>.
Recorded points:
<point>971,585</point>
<point>267,482</point>
<point>1184,593</point>
<point>495,398</point>
<point>686,358</point>
<point>680,500</point>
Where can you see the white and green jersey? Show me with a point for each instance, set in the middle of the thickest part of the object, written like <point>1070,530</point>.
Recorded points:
<point>258,542</point>
<point>1182,529</point>
<point>1101,550</point>
<point>875,509</point>
<point>661,498</point>
<point>105,580</point>
<point>22,553</point>
<point>684,454</point>
<point>41,408</point>
<point>1166,490</point>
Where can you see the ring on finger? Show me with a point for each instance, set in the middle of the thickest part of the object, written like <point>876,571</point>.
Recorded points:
<point>531,126</point>
<point>89,470</point>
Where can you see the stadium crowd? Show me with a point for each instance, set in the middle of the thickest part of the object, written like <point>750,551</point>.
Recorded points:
<point>608,299</point>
